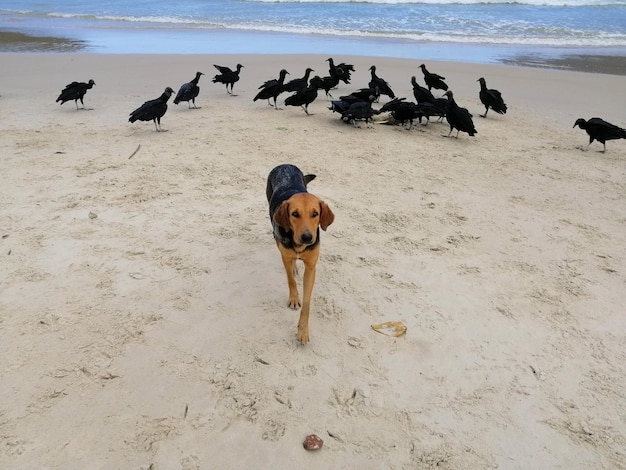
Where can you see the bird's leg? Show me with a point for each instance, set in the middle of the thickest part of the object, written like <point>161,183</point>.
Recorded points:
<point>486,111</point>
<point>155,125</point>
<point>76,103</point>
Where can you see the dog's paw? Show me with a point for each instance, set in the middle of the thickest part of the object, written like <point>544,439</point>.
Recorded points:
<point>303,335</point>
<point>294,302</point>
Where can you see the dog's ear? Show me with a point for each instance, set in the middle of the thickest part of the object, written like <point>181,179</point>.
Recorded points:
<point>281,216</point>
<point>308,179</point>
<point>326,216</point>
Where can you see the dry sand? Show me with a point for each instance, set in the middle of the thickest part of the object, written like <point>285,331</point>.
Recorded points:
<point>143,317</point>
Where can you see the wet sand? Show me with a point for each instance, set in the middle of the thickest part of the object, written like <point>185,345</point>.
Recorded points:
<point>592,62</point>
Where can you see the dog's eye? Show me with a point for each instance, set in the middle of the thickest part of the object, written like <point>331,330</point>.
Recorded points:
<point>295,214</point>
<point>315,214</point>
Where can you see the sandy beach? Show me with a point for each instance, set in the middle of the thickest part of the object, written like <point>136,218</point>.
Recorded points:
<point>143,304</point>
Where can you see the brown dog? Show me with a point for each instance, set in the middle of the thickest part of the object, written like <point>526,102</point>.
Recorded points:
<point>296,217</point>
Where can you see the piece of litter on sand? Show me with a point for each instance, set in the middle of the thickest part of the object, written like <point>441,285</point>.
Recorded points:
<point>390,328</point>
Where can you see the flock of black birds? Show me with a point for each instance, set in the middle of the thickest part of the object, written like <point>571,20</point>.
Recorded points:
<point>356,106</point>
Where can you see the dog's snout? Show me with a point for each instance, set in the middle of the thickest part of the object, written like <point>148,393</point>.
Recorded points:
<point>306,238</point>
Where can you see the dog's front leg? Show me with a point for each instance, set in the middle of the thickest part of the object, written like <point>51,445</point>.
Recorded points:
<point>290,269</point>
<point>308,282</point>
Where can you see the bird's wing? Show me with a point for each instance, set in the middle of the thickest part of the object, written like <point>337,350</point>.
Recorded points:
<point>223,69</point>
<point>184,90</point>
<point>71,85</point>
<point>598,122</point>
<point>145,107</point>
<point>496,94</point>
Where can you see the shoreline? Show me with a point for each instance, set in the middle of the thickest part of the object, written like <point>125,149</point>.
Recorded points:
<point>591,60</point>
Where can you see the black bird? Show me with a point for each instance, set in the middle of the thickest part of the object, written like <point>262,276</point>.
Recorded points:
<point>600,130</point>
<point>421,94</point>
<point>344,102</point>
<point>365,93</point>
<point>378,83</point>
<point>152,110</point>
<point>189,91</point>
<point>227,76</point>
<point>298,84</point>
<point>491,99</point>
<point>359,111</point>
<point>272,88</point>
<point>305,97</point>
<point>328,83</point>
<point>342,72</point>
<point>433,80</point>
<point>75,91</point>
<point>403,111</point>
<point>459,118</point>
<point>431,106</point>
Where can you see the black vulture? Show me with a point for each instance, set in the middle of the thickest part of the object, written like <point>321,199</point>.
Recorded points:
<point>75,91</point>
<point>365,93</point>
<point>378,83</point>
<point>600,130</point>
<point>431,106</point>
<point>344,102</point>
<point>227,76</point>
<point>341,72</point>
<point>328,83</point>
<point>189,91</point>
<point>491,99</point>
<point>433,80</point>
<point>359,111</point>
<point>305,97</point>
<point>298,84</point>
<point>421,94</point>
<point>152,110</point>
<point>403,111</point>
<point>459,118</point>
<point>272,88</point>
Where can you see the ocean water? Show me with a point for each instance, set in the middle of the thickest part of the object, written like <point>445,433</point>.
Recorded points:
<point>397,28</point>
